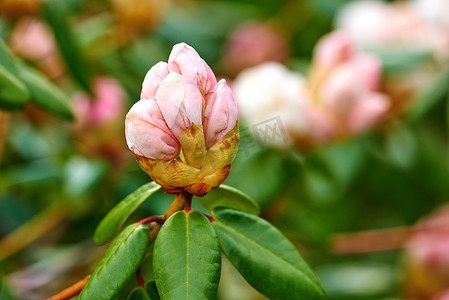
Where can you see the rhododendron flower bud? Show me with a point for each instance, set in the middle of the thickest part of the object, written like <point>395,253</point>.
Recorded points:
<point>184,130</point>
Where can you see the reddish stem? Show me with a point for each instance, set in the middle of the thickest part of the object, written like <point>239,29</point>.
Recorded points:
<point>156,219</point>
<point>188,205</point>
<point>139,277</point>
<point>211,219</point>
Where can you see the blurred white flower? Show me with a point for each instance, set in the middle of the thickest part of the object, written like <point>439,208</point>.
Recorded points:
<point>271,90</point>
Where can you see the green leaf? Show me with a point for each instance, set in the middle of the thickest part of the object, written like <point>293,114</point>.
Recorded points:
<point>7,60</point>
<point>138,294</point>
<point>45,94</point>
<point>147,293</point>
<point>187,258</point>
<point>265,258</point>
<point>228,196</point>
<point>151,289</point>
<point>120,261</point>
<point>57,15</point>
<point>13,93</point>
<point>114,220</point>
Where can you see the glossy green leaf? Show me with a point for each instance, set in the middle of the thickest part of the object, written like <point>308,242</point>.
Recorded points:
<point>228,196</point>
<point>187,258</point>
<point>13,93</point>
<point>46,94</point>
<point>57,15</point>
<point>118,264</point>
<point>114,220</point>
<point>265,257</point>
<point>147,293</point>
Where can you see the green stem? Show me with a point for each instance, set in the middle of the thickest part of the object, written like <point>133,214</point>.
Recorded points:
<point>177,205</point>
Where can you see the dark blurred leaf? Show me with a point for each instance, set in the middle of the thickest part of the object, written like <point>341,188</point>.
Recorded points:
<point>112,222</point>
<point>151,289</point>
<point>13,93</point>
<point>120,261</point>
<point>46,94</point>
<point>426,99</point>
<point>261,174</point>
<point>265,258</point>
<point>228,196</point>
<point>401,147</point>
<point>147,293</point>
<point>187,258</point>
<point>57,15</point>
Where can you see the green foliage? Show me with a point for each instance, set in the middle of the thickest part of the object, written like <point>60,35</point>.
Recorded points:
<point>428,97</point>
<point>57,15</point>
<point>13,93</point>
<point>265,258</point>
<point>18,82</point>
<point>228,196</point>
<point>114,220</point>
<point>187,258</point>
<point>45,93</point>
<point>119,262</point>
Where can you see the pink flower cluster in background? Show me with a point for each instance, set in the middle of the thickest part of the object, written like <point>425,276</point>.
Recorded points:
<point>338,98</point>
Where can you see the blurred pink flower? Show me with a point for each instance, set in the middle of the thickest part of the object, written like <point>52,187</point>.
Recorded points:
<point>32,40</point>
<point>99,121</point>
<point>107,105</point>
<point>253,44</point>
<point>413,25</point>
<point>427,255</point>
<point>339,98</point>
<point>442,296</point>
<point>184,112</point>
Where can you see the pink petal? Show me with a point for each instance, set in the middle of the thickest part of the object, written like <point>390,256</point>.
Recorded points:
<point>147,134</point>
<point>367,111</point>
<point>152,80</point>
<point>220,113</point>
<point>333,49</point>
<point>185,60</point>
<point>180,102</point>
